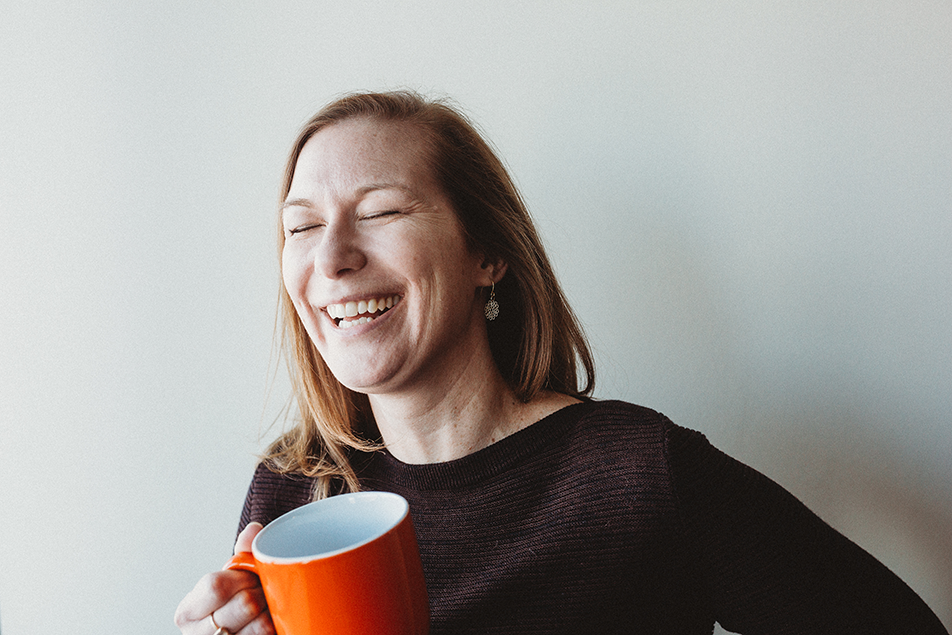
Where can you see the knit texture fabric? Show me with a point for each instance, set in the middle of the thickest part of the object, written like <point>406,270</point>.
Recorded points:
<point>605,517</point>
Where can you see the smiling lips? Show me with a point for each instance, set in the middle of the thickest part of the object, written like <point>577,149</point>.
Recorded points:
<point>353,313</point>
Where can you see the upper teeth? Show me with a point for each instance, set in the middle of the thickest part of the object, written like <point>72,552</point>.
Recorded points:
<point>353,309</point>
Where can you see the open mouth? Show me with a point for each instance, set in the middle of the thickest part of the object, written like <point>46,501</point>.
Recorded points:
<point>351,314</point>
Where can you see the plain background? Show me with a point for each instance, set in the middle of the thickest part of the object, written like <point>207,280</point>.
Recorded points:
<point>749,205</point>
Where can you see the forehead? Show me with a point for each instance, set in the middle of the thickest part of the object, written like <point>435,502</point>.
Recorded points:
<point>358,151</point>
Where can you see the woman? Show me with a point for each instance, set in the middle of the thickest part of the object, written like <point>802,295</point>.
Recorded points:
<point>434,355</point>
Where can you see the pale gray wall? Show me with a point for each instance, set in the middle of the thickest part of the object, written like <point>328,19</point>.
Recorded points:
<point>748,202</point>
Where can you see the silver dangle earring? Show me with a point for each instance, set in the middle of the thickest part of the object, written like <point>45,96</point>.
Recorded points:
<point>492,307</point>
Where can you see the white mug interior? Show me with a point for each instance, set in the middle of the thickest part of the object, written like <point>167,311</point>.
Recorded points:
<point>330,526</point>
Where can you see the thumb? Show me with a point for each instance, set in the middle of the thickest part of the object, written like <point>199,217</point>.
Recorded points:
<point>243,543</point>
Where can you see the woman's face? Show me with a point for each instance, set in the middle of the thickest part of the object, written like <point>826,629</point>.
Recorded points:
<point>375,260</point>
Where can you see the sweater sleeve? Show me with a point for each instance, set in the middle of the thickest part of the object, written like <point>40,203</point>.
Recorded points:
<point>774,567</point>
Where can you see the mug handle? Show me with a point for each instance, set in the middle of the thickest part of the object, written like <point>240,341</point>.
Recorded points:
<point>243,560</point>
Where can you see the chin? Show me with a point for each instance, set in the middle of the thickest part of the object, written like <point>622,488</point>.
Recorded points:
<point>364,384</point>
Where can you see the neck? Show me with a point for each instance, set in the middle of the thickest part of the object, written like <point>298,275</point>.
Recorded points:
<point>441,425</point>
<point>465,418</point>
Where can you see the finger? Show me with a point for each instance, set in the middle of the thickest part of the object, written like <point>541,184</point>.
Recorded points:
<point>211,593</point>
<point>261,625</point>
<point>242,610</point>
<point>246,536</point>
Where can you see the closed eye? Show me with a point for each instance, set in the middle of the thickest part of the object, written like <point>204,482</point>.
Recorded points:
<point>383,214</point>
<point>303,228</point>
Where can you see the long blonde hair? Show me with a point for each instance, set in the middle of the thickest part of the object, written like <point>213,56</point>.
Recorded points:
<point>536,342</point>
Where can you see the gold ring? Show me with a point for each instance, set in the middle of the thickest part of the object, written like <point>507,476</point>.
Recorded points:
<point>221,630</point>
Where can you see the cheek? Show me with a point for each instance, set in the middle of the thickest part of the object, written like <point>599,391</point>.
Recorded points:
<point>294,273</point>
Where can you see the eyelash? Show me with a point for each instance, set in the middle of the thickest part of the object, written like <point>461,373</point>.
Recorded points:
<point>303,228</point>
<point>375,215</point>
<point>388,212</point>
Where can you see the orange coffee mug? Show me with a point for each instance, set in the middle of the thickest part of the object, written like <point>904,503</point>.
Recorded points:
<point>347,565</point>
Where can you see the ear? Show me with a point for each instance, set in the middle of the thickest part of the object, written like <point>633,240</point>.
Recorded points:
<point>491,270</point>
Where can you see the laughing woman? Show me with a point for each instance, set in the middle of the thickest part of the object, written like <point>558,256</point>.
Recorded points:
<point>434,355</point>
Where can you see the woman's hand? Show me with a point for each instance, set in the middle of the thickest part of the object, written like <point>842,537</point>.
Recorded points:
<point>234,598</point>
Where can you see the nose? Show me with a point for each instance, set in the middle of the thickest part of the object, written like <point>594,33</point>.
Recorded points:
<point>339,251</point>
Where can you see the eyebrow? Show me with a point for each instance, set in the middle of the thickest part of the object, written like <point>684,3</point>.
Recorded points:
<point>295,202</point>
<point>384,186</point>
<point>366,189</point>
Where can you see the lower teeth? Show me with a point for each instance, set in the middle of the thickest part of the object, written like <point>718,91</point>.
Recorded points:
<point>346,324</point>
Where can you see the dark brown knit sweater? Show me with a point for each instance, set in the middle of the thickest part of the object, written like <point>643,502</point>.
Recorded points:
<point>607,518</point>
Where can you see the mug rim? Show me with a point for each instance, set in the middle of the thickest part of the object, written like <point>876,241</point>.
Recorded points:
<point>283,519</point>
